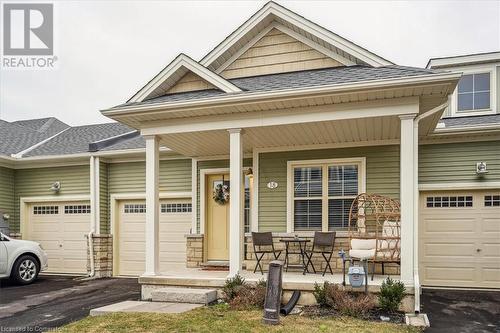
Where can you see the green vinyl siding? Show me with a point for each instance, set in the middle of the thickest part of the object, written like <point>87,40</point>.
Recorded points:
<point>103,198</point>
<point>382,177</point>
<point>456,162</point>
<point>7,192</point>
<point>211,164</point>
<point>74,180</point>
<point>130,177</point>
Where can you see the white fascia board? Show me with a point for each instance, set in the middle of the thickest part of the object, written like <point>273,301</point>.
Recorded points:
<point>272,8</point>
<point>464,60</point>
<point>281,94</point>
<point>358,110</point>
<point>184,61</point>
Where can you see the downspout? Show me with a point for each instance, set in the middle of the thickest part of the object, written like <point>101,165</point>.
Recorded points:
<point>94,164</point>
<point>416,276</point>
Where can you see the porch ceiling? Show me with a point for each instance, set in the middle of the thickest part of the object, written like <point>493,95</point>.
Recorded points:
<point>352,131</point>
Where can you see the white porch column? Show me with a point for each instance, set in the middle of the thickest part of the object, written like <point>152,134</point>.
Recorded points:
<point>152,205</point>
<point>407,198</point>
<point>235,201</point>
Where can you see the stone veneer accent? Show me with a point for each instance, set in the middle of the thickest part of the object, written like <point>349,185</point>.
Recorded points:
<point>103,255</point>
<point>194,250</point>
<point>341,242</point>
<point>15,235</point>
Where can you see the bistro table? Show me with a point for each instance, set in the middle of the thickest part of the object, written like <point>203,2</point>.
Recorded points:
<point>301,242</point>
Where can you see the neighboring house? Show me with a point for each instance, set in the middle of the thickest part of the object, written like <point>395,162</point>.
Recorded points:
<point>281,101</point>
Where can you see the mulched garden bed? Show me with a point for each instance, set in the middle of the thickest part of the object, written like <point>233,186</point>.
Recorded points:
<point>372,315</point>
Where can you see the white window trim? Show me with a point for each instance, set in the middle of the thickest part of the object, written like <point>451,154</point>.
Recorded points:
<point>360,161</point>
<point>493,92</point>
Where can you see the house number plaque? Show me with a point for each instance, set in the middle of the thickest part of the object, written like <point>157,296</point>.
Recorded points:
<point>272,302</point>
<point>272,185</point>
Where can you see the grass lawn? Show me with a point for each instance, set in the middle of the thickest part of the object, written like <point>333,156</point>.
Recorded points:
<point>220,319</point>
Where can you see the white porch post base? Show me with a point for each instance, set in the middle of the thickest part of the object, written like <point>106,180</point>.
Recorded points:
<point>152,206</point>
<point>235,202</point>
<point>407,198</point>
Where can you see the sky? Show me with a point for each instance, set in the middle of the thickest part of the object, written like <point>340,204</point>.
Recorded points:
<point>107,50</point>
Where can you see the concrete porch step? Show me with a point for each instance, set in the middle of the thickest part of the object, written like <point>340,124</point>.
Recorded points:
<point>184,295</point>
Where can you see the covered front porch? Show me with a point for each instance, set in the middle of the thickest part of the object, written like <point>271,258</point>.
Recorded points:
<point>276,146</point>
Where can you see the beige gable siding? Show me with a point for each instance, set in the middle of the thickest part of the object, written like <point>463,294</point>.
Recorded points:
<point>382,177</point>
<point>277,52</point>
<point>190,82</point>
<point>7,191</point>
<point>212,164</point>
<point>75,180</point>
<point>456,162</point>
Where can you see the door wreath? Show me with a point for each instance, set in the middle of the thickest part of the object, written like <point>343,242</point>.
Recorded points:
<point>221,193</point>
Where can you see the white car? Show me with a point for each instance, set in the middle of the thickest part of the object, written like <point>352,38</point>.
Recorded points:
<point>21,260</point>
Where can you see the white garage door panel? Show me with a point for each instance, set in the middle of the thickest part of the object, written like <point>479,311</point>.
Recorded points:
<point>459,246</point>
<point>131,239</point>
<point>61,234</point>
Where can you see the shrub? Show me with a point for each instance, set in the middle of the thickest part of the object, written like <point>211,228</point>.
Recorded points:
<point>347,303</point>
<point>231,287</point>
<point>391,294</point>
<point>248,297</point>
<point>320,293</point>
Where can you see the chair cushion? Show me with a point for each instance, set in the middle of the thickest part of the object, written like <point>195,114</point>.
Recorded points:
<point>363,244</point>
<point>362,254</point>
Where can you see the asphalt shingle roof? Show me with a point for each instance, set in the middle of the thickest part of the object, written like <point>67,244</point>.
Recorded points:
<point>457,122</point>
<point>76,139</point>
<point>20,135</point>
<point>300,79</point>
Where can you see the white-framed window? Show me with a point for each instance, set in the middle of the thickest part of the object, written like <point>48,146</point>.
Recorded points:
<point>77,209</point>
<point>320,193</point>
<point>45,210</point>
<point>474,92</point>
<point>134,208</point>
<point>178,207</point>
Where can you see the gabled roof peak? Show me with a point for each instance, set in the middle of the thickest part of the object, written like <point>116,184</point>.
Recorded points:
<point>274,13</point>
<point>174,71</point>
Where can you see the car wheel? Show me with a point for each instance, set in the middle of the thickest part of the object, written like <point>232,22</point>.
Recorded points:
<point>25,269</point>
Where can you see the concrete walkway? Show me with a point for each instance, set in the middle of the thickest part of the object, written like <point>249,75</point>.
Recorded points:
<point>142,306</point>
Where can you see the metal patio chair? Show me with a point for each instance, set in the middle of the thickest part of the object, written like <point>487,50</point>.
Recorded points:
<point>262,245</point>
<point>324,243</point>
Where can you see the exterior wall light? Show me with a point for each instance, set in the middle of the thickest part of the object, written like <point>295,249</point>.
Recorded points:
<point>481,168</point>
<point>56,187</point>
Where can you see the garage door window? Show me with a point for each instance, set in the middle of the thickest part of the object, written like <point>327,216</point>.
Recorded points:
<point>45,210</point>
<point>492,200</point>
<point>176,208</point>
<point>449,201</point>
<point>134,208</point>
<point>77,209</point>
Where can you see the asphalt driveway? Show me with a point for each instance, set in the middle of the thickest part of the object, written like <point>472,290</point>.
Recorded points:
<point>462,311</point>
<point>53,301</point>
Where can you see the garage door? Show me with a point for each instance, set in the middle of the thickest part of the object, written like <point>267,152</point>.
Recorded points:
<point>460,239</point>
<point>175,223</point>
<point>61,228</point>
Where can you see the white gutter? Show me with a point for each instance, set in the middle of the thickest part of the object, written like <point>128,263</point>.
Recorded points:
<point>416,276</point>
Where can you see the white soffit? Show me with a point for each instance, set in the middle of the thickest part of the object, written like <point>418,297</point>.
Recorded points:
<point>320,38</point>
<point>174,72</point>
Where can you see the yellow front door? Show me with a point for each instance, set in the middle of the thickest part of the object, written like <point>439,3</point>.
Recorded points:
<point>217,221</point>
